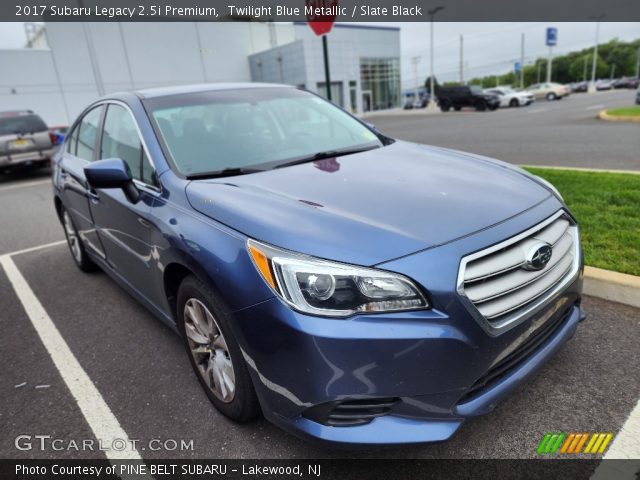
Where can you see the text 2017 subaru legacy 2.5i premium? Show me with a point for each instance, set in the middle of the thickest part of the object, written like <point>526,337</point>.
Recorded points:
<point>354,288</point>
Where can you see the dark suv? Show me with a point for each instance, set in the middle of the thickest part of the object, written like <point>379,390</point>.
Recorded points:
<point>25,140</point>
<point>458,97</point>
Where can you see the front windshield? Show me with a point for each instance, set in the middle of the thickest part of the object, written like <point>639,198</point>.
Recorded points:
<point>252,128</point>
<point>476,90</point>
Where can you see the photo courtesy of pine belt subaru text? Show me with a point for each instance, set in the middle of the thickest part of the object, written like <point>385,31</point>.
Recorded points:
<point>350,287</point>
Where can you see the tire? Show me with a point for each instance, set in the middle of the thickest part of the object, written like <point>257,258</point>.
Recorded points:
<point>76,248</point>
<point>205,322</point>
<point>445,106</point>
<point>514,102</point>
<point>481,105</point>
<point>551,97</point>
<point>457,109</point>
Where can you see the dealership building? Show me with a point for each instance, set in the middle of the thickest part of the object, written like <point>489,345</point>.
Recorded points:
<point>65,66</point>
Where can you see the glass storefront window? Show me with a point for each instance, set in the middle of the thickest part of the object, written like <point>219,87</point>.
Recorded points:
<point>380,81</point>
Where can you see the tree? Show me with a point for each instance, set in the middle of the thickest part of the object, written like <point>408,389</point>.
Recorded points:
<point>436,85</point>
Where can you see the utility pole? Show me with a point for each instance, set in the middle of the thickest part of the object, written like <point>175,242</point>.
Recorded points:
<point>638,64</point>
<point>432,97</point>
<point>461,60</point>
<point>522,62</point>
<point>415,61</point>
<point>539,65</point>
<point>592,86</point>
<point>584,74</point>
<point>549,62</point>
<point>613,70</point>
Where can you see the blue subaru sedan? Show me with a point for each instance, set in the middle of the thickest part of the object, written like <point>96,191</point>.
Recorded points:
<point>352,288</point>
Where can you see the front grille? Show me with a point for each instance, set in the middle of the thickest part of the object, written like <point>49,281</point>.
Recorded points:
<point>511,361</point>
<point>349,413</point>
<point>498,284</point>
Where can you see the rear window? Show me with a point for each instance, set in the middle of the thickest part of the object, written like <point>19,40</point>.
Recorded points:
<point>21,124</point>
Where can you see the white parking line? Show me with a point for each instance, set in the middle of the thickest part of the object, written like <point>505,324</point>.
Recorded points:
<point>596,107</point>
<point>626,443</point>
<point>33,249</point>
<point>99,416</point>
<point>539,110</point>
<point>24,185</point>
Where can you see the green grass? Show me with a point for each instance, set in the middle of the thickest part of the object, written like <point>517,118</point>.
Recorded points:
<point>607,206</point>
<point>626,111</point>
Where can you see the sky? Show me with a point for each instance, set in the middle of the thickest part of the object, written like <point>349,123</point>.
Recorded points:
<point>488,47</point>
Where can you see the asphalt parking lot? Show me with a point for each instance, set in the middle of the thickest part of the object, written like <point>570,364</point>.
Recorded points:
<point>559,133</point>
<point>140,370</point>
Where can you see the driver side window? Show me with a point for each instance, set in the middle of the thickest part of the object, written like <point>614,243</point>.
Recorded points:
<point>120,139</point>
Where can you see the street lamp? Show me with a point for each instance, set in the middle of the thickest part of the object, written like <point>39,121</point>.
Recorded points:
<point>432,102</point>
<point>592,85</point>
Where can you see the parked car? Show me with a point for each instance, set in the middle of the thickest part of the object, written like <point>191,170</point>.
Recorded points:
<point>626,82</point>
<point>579,87</point>
<point>510,97</point>
<point>59,131</point>
<point>408,104</point>
<point>604,85</point>
<point>25,140</point>
<point>354,288</point>
<point>466,96</point>
<point>550,91</point>
<point>638,96</point>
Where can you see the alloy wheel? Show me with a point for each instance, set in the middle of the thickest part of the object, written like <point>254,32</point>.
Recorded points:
<point>209,350</point>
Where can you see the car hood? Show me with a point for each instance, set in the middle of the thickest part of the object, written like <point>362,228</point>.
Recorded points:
<point>369,207</point>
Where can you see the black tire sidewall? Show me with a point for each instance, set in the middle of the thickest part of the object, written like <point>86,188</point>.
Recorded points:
<point>244,407</point>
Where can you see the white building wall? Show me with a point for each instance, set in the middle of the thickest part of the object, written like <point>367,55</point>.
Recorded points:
<point>128,56</point>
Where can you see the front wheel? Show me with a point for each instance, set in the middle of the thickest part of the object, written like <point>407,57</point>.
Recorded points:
<point>216,357</point>
<point>481,106</point>
<point>551,96</point>
<point>78,252</point>
<point>514,103</point>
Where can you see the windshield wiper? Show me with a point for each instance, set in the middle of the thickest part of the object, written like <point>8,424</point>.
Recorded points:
<point>225,172</point>
<point>323,155</point>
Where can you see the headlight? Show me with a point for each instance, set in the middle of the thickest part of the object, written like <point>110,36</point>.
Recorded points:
<point>332,289</point>
<point>550,186</point>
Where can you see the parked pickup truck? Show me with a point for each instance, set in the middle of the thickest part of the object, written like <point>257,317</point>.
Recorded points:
<point>458,97</point>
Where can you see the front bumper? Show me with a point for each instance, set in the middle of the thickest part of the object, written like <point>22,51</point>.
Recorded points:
<point>20,159</point>
<point>429,361</point>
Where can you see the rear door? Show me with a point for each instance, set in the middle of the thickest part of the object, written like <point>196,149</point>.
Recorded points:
<point>79,151</point>
<point>126,228</point>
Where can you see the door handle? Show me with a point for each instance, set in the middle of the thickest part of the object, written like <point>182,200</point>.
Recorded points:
<point>63,174</point>
<point>93,195</point>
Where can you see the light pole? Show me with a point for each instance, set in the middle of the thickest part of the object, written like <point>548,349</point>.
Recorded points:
<point>592,85</point>
<point>432,102</point>
<point>415,60</point>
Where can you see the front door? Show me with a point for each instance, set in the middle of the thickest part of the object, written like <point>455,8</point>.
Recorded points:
<point>125,228</point>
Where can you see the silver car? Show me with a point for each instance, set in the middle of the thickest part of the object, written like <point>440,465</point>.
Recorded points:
<point>25,140</point>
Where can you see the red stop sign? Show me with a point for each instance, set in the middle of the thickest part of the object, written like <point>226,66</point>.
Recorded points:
<point>321,23</point>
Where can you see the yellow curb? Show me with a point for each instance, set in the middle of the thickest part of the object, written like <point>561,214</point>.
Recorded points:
<point>603,115</point>
<point>614,286</point>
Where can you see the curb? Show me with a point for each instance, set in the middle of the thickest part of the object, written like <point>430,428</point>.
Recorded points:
<point>603,115</point>
<point>582,169</point>
<point>613,286</point>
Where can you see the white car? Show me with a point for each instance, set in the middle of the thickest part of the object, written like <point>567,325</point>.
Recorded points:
<point>510,97</point>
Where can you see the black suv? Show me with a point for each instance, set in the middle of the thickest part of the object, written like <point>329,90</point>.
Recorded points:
<point>458,97</point>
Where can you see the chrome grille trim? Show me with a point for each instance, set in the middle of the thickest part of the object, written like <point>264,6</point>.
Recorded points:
<point>500,294</point>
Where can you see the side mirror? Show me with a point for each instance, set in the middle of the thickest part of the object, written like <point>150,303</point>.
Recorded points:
<point>112,173</point>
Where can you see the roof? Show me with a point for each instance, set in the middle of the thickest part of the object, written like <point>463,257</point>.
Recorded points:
<point>202,87</point>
